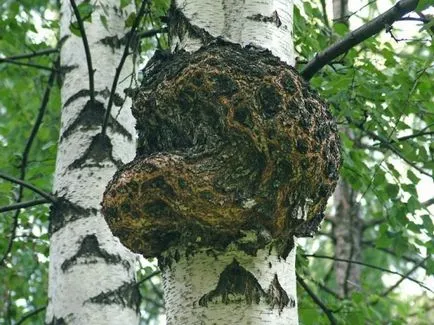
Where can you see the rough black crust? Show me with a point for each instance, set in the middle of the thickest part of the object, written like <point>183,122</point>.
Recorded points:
<point>231,140</point>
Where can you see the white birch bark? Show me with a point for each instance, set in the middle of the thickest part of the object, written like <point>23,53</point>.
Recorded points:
<point>91,275</point>
<point>188,280</point>
<point>266,24</point>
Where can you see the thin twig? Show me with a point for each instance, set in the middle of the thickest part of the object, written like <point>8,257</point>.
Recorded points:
<point>327,311</point>
<point>152,32</point>
<point>30,55</point>
<point>25,184</point>
<point>31,314</point>
<point>28,64</point>
<point>148,277</point>
<point>428,203</point>
<point>359,35</point>
<point>324,13</point>
<point>415,135</point>
<point>389,146</point>
<point>370,266</point>
<point>22,205</point>
<point>86,50</point>
<point>24,161</point>
<point>406,275</point>
<point>131,35</point>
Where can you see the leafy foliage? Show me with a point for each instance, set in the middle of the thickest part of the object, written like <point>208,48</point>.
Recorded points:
<point>381,95</point>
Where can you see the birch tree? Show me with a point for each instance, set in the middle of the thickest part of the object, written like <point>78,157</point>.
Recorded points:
<point>91,276</point>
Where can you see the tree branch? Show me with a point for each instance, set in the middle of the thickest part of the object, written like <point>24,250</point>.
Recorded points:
<point>27,64</point>
<point>148,277</point>
<point>22,205</point>
<point>359,35</point>
<point>29,55</point>
<point>152,32</point>
<point>31,314</point>
<point>405,276</point>
<point>370,266</point>
<point>385,142</point>
<point>86,50</point>
<point>131,35</point>
<point>428,203</point>
<point>391,252</point>
<point>45,195</point>
<point>24,161</point>
<point>327,311</point>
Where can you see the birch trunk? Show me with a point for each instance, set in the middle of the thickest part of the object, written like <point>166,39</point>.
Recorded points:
<point>91,275</point>
<point>265,24</point>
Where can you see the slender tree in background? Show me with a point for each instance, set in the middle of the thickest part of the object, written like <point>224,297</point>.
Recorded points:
<point>346,221</point>
<point>212,189</point>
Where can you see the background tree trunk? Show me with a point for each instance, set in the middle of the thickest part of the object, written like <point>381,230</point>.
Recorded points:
<point>347,228</point>
<point>91,275</point>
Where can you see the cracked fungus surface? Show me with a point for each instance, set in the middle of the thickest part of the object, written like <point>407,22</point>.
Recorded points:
<point>230,140</point>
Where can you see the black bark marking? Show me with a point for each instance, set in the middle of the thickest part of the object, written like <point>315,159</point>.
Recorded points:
<point>64,69</point>
<point>57,321</point>
<point>274,18</point>
<point>63,211</point>
<point>114,42</point>
<point>126,295</point>
<point>91,117</point>
<point>181,27</point>
<point>235,283</point>
<point>77,95</point>
<point>100,150</point>
<point>90,250</point>
<point>277,296</point>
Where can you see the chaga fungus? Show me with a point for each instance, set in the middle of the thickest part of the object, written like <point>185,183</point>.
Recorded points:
<point>231,140</point>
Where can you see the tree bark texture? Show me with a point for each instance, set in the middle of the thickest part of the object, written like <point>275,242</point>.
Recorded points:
<point>91,275</point>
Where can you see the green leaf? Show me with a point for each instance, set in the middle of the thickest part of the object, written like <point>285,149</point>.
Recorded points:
<point>424,4</point>
<point>341,28</point>
<point>85,9</point>
<point>392,190</point>
<point>73,27</point>
<point>124,3</point>
<point>130,19</point>
<point>412,177</point>
<point>104,21</point>
<point>428,223</point>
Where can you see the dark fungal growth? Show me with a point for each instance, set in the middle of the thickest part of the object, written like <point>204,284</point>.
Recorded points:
<point>231,140</point>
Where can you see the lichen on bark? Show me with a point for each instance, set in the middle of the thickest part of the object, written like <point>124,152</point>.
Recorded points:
<point>231,140</point>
